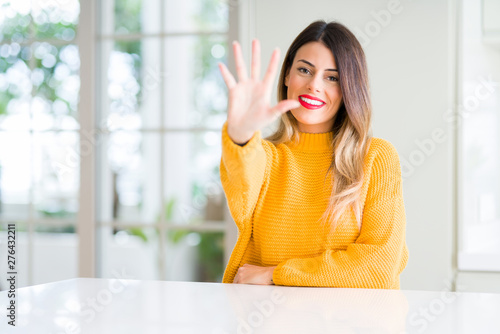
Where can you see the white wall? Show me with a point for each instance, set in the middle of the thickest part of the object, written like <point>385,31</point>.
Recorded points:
<point>410,64</point>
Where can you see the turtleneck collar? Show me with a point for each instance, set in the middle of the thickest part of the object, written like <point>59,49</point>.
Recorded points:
<point>314,141</point>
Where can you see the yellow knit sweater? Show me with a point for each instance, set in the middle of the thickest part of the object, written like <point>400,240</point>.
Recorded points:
<point>277,193</point>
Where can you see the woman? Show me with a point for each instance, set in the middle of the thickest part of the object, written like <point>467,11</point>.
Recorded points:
<point>320,202</point>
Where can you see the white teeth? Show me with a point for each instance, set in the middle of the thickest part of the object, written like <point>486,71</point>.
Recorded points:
<point>313,102</point>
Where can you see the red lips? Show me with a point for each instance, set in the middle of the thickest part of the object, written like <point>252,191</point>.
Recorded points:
<point>309,105</point>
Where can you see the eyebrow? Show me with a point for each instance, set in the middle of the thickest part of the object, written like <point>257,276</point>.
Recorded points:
<point>308,63</point>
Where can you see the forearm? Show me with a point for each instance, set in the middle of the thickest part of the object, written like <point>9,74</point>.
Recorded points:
<point>242,173</point>
<point>341,269</point>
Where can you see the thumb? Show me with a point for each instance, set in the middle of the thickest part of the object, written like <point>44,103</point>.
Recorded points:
<point>284,106</point>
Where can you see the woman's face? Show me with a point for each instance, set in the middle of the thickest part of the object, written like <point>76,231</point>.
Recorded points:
<point>313,80</point>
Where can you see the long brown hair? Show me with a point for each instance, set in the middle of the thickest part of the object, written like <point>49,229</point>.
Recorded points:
<point>352,124</point>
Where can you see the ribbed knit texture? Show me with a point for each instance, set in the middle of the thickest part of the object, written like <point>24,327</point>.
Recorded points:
<point>277,194</point>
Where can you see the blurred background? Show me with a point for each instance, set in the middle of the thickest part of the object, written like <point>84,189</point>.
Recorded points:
<point>110,118</point>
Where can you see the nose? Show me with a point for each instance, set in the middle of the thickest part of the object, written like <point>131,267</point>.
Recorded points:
<point>314,84</point>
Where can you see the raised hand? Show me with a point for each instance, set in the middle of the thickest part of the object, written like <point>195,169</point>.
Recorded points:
<point>249,108</point>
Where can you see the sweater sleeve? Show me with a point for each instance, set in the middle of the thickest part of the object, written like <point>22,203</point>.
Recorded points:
<point>378,255</point>
<point>242,170</point>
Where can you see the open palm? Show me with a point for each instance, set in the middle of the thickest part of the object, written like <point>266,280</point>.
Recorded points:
<point>249,108</point>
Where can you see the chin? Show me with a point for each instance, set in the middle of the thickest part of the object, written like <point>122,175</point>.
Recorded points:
<point>307,120</point>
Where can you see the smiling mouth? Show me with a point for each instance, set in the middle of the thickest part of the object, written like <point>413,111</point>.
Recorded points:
<point>310,103</point>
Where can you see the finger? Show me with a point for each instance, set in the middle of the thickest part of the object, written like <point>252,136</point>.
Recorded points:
<point>271,69</point>
<point>227,76</point>
<point>284,106</point>
<point>255,59</point>
<point>241,69</point>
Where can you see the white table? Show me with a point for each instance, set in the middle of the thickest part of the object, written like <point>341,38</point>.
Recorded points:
<point>94,306</point>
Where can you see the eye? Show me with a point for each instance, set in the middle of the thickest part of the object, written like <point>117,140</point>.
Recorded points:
<point>333,78</point>
<point>303,70</point>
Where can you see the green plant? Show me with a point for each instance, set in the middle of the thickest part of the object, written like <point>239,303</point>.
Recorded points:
<point>56,229</point>
<point>211,255</point>
<point>138,233</point>
<point>62,213</point>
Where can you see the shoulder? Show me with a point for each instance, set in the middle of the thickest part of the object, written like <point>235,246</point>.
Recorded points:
<point>382,149</point>
<point>382,155</point>
<point>381,146</point>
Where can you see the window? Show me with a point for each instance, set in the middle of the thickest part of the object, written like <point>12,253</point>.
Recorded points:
<point>160,106</point>
<point>479,120</point>
<point>39,86</point>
